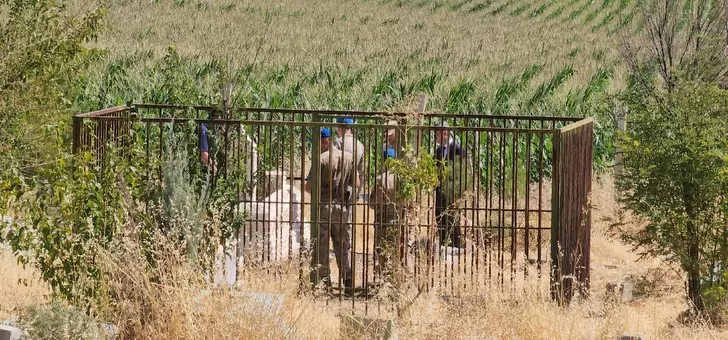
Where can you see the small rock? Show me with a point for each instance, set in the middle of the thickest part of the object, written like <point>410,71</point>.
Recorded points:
<point>630,337</point>
<point>9,333</point>
<point>109,329</point>
<point>359,327</point>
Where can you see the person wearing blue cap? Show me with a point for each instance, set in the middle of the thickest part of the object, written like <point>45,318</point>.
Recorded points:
<point>348,143</point>
<point>383,200</point>
<point>335,177</point>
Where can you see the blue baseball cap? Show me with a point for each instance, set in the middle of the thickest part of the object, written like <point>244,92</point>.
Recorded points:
<point>390,153</point>
<point>325,133</point>
<point>345,120</point>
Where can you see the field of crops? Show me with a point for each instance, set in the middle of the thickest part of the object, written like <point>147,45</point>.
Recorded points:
<point>498,56</point>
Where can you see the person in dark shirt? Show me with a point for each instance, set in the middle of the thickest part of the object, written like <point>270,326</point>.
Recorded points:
<point>448,150</point>
<point>208,166</point>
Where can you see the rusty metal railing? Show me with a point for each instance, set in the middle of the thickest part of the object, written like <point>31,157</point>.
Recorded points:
<point>523,186</point>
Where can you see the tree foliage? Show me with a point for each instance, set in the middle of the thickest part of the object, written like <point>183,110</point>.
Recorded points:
<point>675,152</point>
<point>676,176</point>
<point>42,53</point>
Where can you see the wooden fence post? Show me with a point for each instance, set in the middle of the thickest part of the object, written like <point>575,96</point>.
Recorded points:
<point>620,113</point>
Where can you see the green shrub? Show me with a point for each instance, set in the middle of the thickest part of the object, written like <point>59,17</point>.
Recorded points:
<point>60,321</point>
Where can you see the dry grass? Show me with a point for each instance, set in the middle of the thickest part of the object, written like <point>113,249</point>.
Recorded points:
<point>174,307</point>
<point>19,287</point>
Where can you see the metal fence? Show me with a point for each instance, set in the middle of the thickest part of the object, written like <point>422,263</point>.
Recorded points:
<point>519,186</point>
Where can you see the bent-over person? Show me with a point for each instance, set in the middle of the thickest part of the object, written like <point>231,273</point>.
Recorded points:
<point>383,200</point>
<point>337,174</point>
<point>448,151</point>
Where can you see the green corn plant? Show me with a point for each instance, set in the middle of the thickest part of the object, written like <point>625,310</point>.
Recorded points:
<point>460,96</point>
<point>501,8</point>
<point>612,15</point>
<point>520,9</point>
<point>591,16</point>
<point>577,12</point>
<point>511,87</point>
<point>480,6</point>
<point>547,89</point>
<point>541,9</point>
<point>458,5</point>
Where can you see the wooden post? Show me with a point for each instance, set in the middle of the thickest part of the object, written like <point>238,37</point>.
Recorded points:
<point>620,112</point>
<point>227,92</point>
<point>420,114</point>
<point>557,291</point>
<point>77,122</point>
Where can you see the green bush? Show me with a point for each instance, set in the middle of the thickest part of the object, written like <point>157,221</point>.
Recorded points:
<point>676,176</point>
<point>64,213</point>
<point>43,49</point>
<point>60,321</point>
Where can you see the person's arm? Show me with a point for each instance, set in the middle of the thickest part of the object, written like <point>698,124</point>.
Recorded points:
<point>460,150</point>
<point>374,195</point>
<point>307,185</point>
<point>204,150</point>
<point>204,157</point>
<point>360,175</point>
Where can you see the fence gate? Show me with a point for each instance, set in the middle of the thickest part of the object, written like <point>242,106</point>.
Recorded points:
<point>511,201</point>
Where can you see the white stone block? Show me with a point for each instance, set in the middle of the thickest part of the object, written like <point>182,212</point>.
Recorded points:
<point>9,333</point>
<point>273,229</point>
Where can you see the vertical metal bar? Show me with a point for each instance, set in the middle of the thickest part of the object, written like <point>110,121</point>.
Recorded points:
<point>303,210</point>
<point>539,235</point>
<point>502,207</point>
<point>527,212</point>
<point>315,197</point>
<point>514,204</point>
<point>291,207</point>
<point>161,152</point>
<point>477,231</point>
<point>489,202</point>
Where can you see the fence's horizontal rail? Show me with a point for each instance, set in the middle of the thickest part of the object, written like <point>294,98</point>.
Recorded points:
<point>357,113</point>
<point>101,113</point>
<point>325,124</point>
<point>576,125</point>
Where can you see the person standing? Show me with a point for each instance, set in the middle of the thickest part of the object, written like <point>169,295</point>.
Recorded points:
<point>383,200</point>
<point>447,151</point>
<point>335,177</point>
<point>390,140</point>
<point>347,142</point>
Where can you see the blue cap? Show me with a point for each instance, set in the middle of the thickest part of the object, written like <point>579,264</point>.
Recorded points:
<point>325,133</point>
<point>345,120</point>
<point>390,153</point>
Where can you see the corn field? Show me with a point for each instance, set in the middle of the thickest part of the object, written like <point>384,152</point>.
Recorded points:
<point>500,57</point>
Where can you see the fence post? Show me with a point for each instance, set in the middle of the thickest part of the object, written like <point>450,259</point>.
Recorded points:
<point>420,113</point>
<point>620,112</point>
<point>315,173</point>
<point>77,121</point>
<point>557,292</point>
